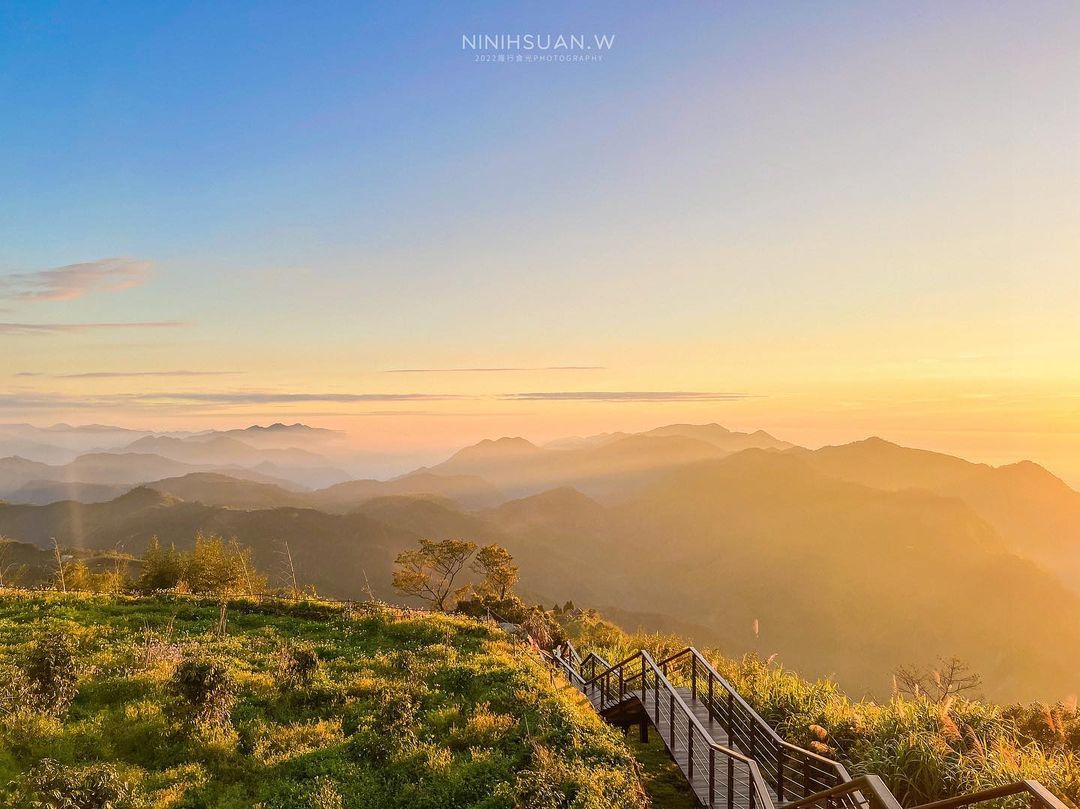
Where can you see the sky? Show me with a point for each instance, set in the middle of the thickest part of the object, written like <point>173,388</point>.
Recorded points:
<point>827,220</point>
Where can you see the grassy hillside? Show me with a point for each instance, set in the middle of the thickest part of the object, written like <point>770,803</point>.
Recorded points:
<point>297,705</point>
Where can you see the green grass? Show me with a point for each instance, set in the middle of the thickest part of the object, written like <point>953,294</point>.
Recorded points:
<point>407,710</point>
<point>663,780</point>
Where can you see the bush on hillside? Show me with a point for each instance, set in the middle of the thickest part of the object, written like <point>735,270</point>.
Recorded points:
<point>325,794</point>
<point>204,690</point>
<point>299,664</point>
<point>540,625</point>
<point>49,785</point>
<point>213,566</point>
<point>52,671</point>
<point>1051,726</point>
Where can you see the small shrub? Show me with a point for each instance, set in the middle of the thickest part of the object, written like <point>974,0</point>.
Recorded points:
<point>52,671</point>
<point>543,627</point>
<point>484,728</point>
<point>389,726</point>
<point>299,665</point>
<point>17,692</point>
<point>274,744</point>
<point>205,690</point>
<point>325,795</point>
<point>50,785</point>
<point>542,786</point>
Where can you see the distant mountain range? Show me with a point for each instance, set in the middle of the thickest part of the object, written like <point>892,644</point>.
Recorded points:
<point>19,477</point>
<point>71,462</point>
<point>607,466</point>
<point>725,439</point>
<point>1034,512</point>
<point>848,560</point>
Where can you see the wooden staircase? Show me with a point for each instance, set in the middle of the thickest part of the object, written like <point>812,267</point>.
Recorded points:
<point>729,755</point>
<point>734,790</point>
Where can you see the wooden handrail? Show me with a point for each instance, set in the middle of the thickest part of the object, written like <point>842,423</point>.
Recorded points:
<point>1034,789</point>
<point>880,796</point>
<point>801,753</point>
<point>765,726</point>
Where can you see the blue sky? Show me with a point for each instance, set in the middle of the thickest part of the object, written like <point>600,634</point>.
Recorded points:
<point>861,213</point>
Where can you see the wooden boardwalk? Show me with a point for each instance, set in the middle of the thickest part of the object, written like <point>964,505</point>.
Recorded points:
<point>730,785</point>
<point>727,752</point>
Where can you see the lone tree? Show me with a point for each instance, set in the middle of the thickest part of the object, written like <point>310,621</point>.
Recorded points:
<point>428,572</point>
<point>949,678</point>
<point>496,565</point>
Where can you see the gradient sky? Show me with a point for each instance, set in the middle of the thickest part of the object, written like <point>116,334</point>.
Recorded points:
<point>827,220</point>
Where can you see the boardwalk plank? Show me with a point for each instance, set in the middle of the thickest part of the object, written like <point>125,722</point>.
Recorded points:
<point>659,712</point>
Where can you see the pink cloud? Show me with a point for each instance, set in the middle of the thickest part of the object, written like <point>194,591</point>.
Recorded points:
<point>76,280</point>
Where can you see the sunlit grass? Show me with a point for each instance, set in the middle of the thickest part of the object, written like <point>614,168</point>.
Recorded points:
<point>403,710</point>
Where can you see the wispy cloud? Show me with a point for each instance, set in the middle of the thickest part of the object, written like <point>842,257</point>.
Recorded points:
<point>44,401</point>
<point>626,396</point>
<point>262,397</point>
<point>60,328</point>
<point>203,399</point>
<point>75,280</point>
<point>493,370</point>
<point>130,374</point>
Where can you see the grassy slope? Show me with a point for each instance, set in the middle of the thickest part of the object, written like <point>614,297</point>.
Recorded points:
<point>663,780</point>
<point>410,710</point>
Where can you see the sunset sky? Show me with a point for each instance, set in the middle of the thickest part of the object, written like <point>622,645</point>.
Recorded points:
<point>826,220</point>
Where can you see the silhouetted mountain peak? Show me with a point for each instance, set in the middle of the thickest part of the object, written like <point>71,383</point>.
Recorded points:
<point>279,427</point>
<point>722,437</point>
<point>144,497</point>
<point>877,442</point>
<point>565,498</point>
<point>1029,473</point>
<point>506,447</point>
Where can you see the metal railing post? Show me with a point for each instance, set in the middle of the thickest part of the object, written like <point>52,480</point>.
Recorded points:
<point>730,715</point>
<point>671,721</point>
<point>712,776</point>
<point>779,773</point>
<point>643,680</point>
<point>731,783</point>
<point>690,751</point>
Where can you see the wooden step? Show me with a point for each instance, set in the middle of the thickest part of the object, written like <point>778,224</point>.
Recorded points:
<point>733,781</point>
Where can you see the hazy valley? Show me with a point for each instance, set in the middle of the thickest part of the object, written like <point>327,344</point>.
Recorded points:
<point>848,560</point>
